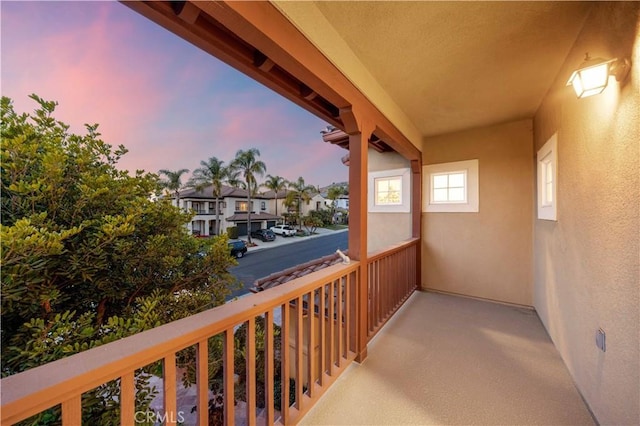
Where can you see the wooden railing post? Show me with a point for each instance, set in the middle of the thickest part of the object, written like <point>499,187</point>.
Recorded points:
<point>416,215</point>
<point>359,132</point>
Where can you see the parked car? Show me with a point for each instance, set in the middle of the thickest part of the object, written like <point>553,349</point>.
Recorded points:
<point>264,234</point>
<point>238,248</point>
<point>284,230</point>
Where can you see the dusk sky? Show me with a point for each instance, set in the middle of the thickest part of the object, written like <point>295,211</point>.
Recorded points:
<point>171,104</point>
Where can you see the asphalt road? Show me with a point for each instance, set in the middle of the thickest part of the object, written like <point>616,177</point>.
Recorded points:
<point>264,262</point>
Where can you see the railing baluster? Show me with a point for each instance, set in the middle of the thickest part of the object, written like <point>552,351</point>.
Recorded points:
<point>170,403</point>
<point>72,411</point>
<point>331,348</point>
<point>286,361</point>
<point>311,350</point>
<point>339,318</point>
<point>202,381</point>
<point>299,351</point>
<point>347,314</point>
<point>127,398</point>
<point>322,335</point>
<point>250,359</point>
<point>228,373</point>
<point>269,354</point>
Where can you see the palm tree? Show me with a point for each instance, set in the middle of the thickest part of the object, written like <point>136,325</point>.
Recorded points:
<point>173,182</point>
<point>333,194</point>
<point>300,192</point>
<point>276,184</point>
<point>249,166</point>
<point>214,173</point>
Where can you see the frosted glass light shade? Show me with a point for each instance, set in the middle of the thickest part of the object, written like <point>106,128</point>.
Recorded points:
<point>591,78</point>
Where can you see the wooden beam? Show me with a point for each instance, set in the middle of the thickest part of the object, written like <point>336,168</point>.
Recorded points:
<point>263,62</point>
<point>187,11</point>
<point>359,130</point>
<point>307,93</point>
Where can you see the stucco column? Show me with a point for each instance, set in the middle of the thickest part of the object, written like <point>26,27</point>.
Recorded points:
<point>359,131</point>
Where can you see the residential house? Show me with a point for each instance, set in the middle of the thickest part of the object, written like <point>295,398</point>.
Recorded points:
<point>317,202</point>
<point>232,210</point>
<point>502,185</point>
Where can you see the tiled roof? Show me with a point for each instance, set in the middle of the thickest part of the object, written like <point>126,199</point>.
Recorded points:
<point>207,193</point>
<point>242,217</point>
<point>298,271</point>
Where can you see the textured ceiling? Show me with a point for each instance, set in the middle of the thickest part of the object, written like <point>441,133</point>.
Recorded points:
<point>450,66</point>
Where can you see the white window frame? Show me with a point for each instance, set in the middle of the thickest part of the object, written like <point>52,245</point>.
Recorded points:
<point>547,159</point>
<point>404,206</point>
<point>471,202</point>
<point>449,187</point>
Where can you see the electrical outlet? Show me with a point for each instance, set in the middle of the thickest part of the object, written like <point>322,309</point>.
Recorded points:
<point>600,340</point>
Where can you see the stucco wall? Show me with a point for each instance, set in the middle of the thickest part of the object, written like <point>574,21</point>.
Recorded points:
<point>486,254</point>
<point>385,229</point>
<point>586,267</point>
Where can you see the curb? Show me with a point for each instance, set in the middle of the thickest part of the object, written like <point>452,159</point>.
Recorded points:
<point>292,240</point>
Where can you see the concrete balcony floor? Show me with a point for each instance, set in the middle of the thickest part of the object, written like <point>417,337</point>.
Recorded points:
<point>453,360</point>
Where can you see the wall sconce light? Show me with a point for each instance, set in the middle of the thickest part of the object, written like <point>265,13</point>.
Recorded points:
<point>593,75</point>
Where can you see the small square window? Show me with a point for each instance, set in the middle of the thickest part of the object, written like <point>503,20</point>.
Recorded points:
<point>389,191</point>
<point>452,187</point>
<point>449,187</point>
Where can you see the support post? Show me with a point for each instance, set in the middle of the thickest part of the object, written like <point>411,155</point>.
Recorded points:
<point>416,215</point>
<point>359,132</point>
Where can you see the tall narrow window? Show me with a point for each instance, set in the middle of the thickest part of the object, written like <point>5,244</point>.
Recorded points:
<point>548,179</point>
<point>547,184</point>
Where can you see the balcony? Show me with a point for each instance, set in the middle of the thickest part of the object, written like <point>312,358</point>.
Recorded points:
<point>439,360</point>
<point>304,333</point>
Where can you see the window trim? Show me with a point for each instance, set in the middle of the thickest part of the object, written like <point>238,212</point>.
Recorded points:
<point>547,156</point>
<point>471,204</point>
<point>404,206</point>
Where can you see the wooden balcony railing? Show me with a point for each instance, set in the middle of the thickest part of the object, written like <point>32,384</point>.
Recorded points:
<point>262,359</point>
<point>302,331</point>
<point>392,279</point>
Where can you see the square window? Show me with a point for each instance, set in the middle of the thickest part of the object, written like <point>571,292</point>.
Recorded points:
<point>452,187</point>
<point>389,191</point>
<point>449,187</point>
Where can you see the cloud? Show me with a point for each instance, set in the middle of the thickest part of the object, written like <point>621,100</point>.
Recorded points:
<point>168,102</point>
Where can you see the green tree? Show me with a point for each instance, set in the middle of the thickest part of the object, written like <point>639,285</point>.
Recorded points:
<point>300,192</point>
<point>173,182</point>
<point>86,256</point>
<point>334,193</point>
<point>247,163</point>
<point>213,172</point>
<point>276,184</point>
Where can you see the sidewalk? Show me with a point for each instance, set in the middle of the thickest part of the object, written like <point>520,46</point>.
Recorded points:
<point>280,241</point>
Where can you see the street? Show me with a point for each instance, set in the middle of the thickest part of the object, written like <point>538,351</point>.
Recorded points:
<point>265,262</point>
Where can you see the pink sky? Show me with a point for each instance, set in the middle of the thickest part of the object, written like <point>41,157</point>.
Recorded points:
<point>169,103</point>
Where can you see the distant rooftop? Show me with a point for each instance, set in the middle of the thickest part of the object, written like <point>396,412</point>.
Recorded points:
<point>294,272</point>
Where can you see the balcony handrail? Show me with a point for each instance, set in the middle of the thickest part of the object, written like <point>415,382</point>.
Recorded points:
<point>389,250</point>
<point>37,389</point>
